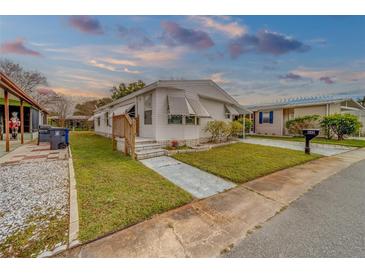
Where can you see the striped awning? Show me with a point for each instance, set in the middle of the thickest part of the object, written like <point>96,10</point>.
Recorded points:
<point>181,105</point>
<point>199,109</point>
<point>121,110</point>
<point>231,110</point>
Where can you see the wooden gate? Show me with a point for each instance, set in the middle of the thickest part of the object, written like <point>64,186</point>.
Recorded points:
<point>123,126</point>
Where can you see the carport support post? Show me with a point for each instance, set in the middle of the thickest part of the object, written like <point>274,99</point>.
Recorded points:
<point>21,121</point>
<point>6,122</point>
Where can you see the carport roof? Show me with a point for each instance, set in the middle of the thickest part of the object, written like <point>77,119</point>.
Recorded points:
<point>11,87</point>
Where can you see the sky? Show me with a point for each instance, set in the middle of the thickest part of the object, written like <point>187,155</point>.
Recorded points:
<point>256,59</point>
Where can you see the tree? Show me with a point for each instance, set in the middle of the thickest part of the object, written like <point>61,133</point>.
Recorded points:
<point>61,108</point>
<point>295,126</point>
<point>87,108</point>
<point>26,80</point>
<point>341,124</point>
<point>123,90</point>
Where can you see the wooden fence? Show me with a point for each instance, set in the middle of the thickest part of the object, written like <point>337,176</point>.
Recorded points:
<point>123,126</point>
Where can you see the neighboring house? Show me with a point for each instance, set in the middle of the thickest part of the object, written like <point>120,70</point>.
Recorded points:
<point>171,110</point>
<point>73,122</point>
<point>27,110</point>
<point>270,119</point>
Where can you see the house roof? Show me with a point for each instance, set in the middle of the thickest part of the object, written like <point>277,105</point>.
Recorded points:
<point>211,91</point>
<point>303,101</point>
<point>7,83</point>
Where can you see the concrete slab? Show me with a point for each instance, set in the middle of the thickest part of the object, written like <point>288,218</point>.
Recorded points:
<point>195,181</point>
<point>322,149</point>
<point>201,229</point>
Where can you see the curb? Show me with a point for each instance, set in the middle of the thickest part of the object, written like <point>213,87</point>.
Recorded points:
<point>73,232</point>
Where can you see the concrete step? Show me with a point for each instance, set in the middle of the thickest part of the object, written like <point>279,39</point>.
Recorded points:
<point>150,153</point>
<point>139,141</point>
<point>143,147</point>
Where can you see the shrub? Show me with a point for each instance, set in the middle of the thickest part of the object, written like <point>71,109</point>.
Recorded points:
<point>235,128</point>
<point>341,124</point>
<point>174,143</point>
<point>217,129</point>
<point>248,124</point>
<point>295,126</point>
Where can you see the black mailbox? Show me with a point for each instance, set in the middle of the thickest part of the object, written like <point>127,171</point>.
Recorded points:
<point>309,134</point>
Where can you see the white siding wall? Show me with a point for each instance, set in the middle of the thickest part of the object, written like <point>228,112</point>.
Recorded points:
<point>167,131</point>
<point>216,110</point>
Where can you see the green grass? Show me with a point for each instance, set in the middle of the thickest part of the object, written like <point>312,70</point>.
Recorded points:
<point>114,191</point>
<point>42,233</point>
<point>241,162</point>
<point>318,140</point>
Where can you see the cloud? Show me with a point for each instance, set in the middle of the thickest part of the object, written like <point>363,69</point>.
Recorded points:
<point>231,29</point>
<point>290,76</point>
<point>132,71</point>
<point>175,35</point>
<point>327,80</point>
<point>218,78</point>
<point>331,76</point>
<point>136,37</point>
<point>46,91</point>
<point>86,24</point>
<point>265,42</point>
<point>17,47</point>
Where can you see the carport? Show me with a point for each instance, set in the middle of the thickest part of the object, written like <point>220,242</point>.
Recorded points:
<point>12,98</point>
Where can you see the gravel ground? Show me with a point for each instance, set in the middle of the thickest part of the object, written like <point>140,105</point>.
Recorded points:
<point>30,194</point>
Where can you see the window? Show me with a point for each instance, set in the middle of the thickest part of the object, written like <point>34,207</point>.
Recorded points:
<point>266,117</point>
<point>148,109</point>
<point>98,120</point>
<point>175,119</point>
<point>190,120</point>
<point>106,118</point>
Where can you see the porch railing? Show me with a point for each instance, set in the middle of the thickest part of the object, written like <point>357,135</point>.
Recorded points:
<point>123,126</point>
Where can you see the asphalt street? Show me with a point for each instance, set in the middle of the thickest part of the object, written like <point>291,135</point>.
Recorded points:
<point>328,221</point>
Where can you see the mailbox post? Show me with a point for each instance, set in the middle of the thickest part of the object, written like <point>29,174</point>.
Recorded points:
<point>309,134</point>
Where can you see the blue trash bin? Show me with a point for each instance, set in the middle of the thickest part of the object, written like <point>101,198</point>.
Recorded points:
<point>66,136</point>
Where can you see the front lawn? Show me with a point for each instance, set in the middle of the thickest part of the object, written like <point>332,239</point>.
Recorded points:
<point>318,140</point>
<point>241,162</point>
<point>114,191</point>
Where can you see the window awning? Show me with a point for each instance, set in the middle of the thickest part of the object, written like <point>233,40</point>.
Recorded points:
<point>180,105</point>
<point>91,118</point>
<point>121,110</point>
<point>231,110</point>
<point>199,109</point>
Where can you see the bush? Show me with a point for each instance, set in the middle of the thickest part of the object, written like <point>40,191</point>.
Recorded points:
<point>235,128</point>
<point>248,124</point>
<point>295,126</point>
<point>217,129</point>
<point>341,125</point>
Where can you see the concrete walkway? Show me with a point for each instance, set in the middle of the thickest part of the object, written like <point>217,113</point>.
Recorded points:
<point>322,149</point>
<point>212,226</point>
<point>199,183</point>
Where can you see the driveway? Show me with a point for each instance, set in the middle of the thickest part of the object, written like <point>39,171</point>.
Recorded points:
<point>326,222</point>
<point>199,183</point>
<point>326,150</point>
